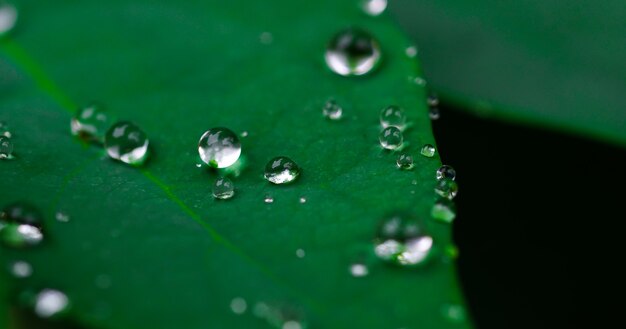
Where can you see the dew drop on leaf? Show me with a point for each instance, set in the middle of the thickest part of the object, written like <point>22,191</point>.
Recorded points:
<point>219,147</point>
<point>20,225</point>
<point>352,52</point>
<point>302,200</point>
<point>411,51</point>
<point>402,240</point>
<point>268,199</point>
<point>428,151</point>
<point>126,142</point>
<point>358,270</point>
<point>454,312</point>
<point>391,138</point>
<point>300,253</point>
<point>8,17</point>
<point>223,188</point>
<point>393,116</point>
<point>374,7</point>
<point>90,123</point>
<point>447,188</point>
<point>21,269</point>
<point>405,161</point>
<point>281,170</point>
<point>50,303</point>
<point>238,305</point>
<point>6,147</point>
<point>446,172</point>
<point>62,217</point>
<point>332,110</point>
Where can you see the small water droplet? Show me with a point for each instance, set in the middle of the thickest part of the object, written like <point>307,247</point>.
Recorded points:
<point>8,17</point>
<point>332,110</point>
<point>419,81</point>
<point>300,253</point>
<point>374,7</point>
<point>454,312</point>
<point>447,188</point>
<point>266,38</point>
<point>219,147</point>
<point>302,200</point>
<point>223,188</point>
<point>402,240</point>
<point>244,134</point>
<point>90,123</point>
<point>405,161</point>
<point>6,147</point>
<point>428,151</point>
<point>281,170</point>
<point>238,305</point>
<point>21,269</point>
<point>352,52</point>
<point>126,142</point>
<point>198,165</point>
<point>62,217</point>
<point>391,138</point>
<point>446,172</point>
<point>4,129</point>
<point>393,116</point>
<point>433,113</point>
<point>444,210</point>
<point>411,51</point>
<point>433,100</point>
<point>268,199</point>
<point>50,303</point>
<point>358,270</point>
<point>20,225</point>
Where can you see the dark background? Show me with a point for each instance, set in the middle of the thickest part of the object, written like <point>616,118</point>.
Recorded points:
<point>541,224</point>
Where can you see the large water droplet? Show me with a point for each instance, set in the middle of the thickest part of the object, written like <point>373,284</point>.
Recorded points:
<point>21,269</point>
<point>8,17</point>
<point>428,151</point>
<point>4,129</point>
<point>90,123</point>
<point>281,170</point>
<point>20,225</point>
<point>402,240</point>
<point>352,52</point>
<point>446,172</point>
<point>374,7</point>
<point>393,116</point>
<point>332,110</point>
<point>391,138</point>
<point>219,147</point>
<point>405,161</point>
<point>6,147</point>
<point>50,303</point>
<point>447,188</point>
<point>126,142</point>
<point>444,210</point>
<point>223,188</point>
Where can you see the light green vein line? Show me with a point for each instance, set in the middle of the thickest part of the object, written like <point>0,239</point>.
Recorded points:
<point>48,86</point>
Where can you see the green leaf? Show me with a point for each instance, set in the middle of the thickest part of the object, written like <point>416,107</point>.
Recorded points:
<point>150,247</point>
<point>558,64</point>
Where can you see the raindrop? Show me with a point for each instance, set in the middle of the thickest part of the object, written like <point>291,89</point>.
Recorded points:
<point>300,253</point>
<point>332,110</point>
<point>62,217</point>
<point>405,161</point>
<point>391,138</point>
<point>4,130</point>
<point>268,199</point>
<point>90,123</point>
<point>446,172</point>
<point>223,188</point>
<point>352,52</point>
<point>393,116</point>
<point>444,210</point>
<point>8,17</point>
<point>374,7</point>
<point>447,188</point>
<point>20,225</point>
<point>411,51</point>
<point>358,270</point>
<point>21,269</point>
<point>281,170</point>
<point>238,305</point>
<point>6,147</point>
<point>50,303</point>
<point>402,240</point>
<point>219,147</point>
<point>125,142</point>
<point>428,151</point>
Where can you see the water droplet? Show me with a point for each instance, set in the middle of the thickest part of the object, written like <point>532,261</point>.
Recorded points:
<point>4,129</point>
<point>444,210</point>
<point>268,199</point>
<point>291,324</point>
<point>393,116</point>
<point>433,100</point>
<point>302,200</point>
<point>20,225</point>
<point>411,51</point>
<point>281,170</point>
<point>454,312</point>
<point>433,113</point>
<point>6,147</point>
<point>90,123</point>
<point>374,7</point>
<point>352,52</point>
<point>391,138</point>
<point>125,142</point>
<point>223,188</point>
<point>405,161</point>
<point>447,188</point>
<point>300,253</point>
<point>428,151</point>
<point>266,38</point>
<point>8,17</point>
<point>62,217</point>
<point>50,303</point>
<point>358,270</point>
<point>446,172</point>
<point>419,81</point>
<point>219,147</point>
<point>238,305</point>
<point>21,269</point>
<point>198,165</point>
<point>433,107</point>
<point>244,134</point>
<point>402,240</point>
<point>332,110</point>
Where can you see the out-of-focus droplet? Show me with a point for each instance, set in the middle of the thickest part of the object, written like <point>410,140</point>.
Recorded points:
<point>411,51</point>
<point>8,18</point>
<point>21,269</point>
<point>300,253</point>
<point>62,217</point>
<point>352,52</point>
<point>6,147</point>
<point>358,270</point>
<point>268,199</point>
<point>402,240</point>
<point>238,305</point>
<point>4,130</point>
<point>374,7</point>
<point>20,225</point>
<point>91,123</point>
<point>444,210</point>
